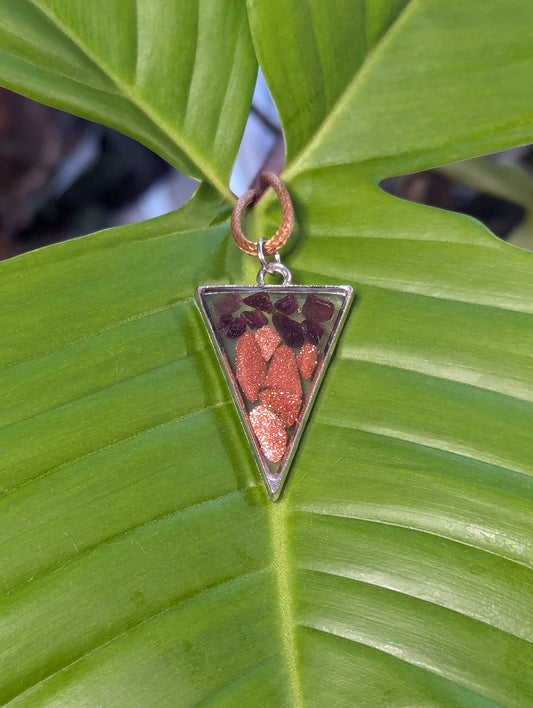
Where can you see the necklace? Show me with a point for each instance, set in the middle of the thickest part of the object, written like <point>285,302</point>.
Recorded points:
<point>273,342</point>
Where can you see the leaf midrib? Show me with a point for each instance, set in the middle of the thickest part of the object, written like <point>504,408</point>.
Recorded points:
<point>134,98</point>
<point>281,568</point>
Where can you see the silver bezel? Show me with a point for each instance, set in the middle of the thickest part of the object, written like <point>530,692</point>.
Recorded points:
<point>274,482</point>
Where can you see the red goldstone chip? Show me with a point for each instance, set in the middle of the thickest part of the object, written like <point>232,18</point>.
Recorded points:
<point>285,405</point>
<point>250,366</point>
<point>270,432</point>
<point>283,372</point>
<point>268,340</point>
<point>307,358</point>
<point>318,309</point>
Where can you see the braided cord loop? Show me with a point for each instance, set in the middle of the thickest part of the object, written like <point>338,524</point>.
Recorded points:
<point>279,239</point>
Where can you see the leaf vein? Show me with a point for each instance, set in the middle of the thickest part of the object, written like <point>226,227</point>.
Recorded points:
<point>427,371</point>
<point>116,443</point>
<point>421,599</point>
<point>346,514</point>
<point>123,534</point>
<point>433,444</point>
<point>103,330</point>
<point>218,587</point>
<point>243,677</point>
<point>387,650</point>
<point>88,394</point>
<point>513,303</point>
<point>128,92</point>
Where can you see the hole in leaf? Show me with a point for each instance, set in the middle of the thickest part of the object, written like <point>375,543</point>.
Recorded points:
<point>495,189</point>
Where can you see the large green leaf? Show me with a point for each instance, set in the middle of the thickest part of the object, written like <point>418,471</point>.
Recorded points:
<point>141,562</point>
<point>162,72</point>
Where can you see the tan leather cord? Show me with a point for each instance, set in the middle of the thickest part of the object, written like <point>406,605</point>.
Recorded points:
<point>273,245</point>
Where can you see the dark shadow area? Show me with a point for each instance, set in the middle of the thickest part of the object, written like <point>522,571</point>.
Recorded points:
<point>62,176</point>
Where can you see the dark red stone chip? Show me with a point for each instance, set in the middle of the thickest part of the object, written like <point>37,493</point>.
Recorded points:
<point>227,304</point>
<point>260,301</point>
<point>236,328</point>
<point>254,318</point>
<point>224,321</point>
<point>289,330</point>
<point>312,331</point>
<point>318,309</point>
<point>287,305</point>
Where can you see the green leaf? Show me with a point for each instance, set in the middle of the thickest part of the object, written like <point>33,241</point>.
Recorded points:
<point>522,235</point>
<point>442,83</point>
<point>142,563</point>
<point>311,51</point>
<point>162,72</point>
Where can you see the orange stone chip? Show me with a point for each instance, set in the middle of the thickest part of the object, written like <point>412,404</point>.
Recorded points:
<point>250,366</point>
<point>285,405</point>
<point>270,432</point>
<point>307,358</point>
<point>267,339</point>
<point>283,372</point>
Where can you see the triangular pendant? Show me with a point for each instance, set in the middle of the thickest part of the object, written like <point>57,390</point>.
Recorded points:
<point>274,343</point>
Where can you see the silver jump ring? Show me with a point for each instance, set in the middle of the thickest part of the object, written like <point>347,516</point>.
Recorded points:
<point>261,256</point>
<point>271,268</point>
